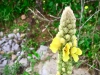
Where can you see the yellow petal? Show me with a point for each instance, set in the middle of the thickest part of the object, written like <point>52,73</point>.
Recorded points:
<point>53,48</point>
<point>79,51</point>
<point>75,57</point>
<point>65,56</point>
<point>73,50</point>
<point>67,47</point>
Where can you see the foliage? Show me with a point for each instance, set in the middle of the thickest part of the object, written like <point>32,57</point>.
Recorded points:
<point>11,70</point>
<point>11,9</point>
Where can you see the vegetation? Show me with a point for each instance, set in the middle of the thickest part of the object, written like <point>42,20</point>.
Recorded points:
<point>44,16</point>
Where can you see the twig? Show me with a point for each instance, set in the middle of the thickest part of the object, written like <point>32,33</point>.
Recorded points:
<point>92,67</point>
<point>81,15</point>
<point>43,19</point>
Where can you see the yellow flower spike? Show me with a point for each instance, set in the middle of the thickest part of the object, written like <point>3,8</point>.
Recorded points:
<point>66,52</point>
<point>75,52</point>
<point>55,45</point>
<point>58,73</point>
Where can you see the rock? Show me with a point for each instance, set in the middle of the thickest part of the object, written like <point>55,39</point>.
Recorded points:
<point>22,36</point>
<point>18,53</point>
<point>10,42</point>
<point>47,68</point>
<point>4,62</point>
<point>23,17</point>
<point>6,48</point>
<point>12,35</point>
<point>50,67</point>
<point>24,62</point>
<point>2,52</point>
<point>1,34</point>
<point>81,71</point>
<point>0,57</point>
<point>42,50</point>
<point>2,41</point>
<point>13,57</point>
<point>16,47</point>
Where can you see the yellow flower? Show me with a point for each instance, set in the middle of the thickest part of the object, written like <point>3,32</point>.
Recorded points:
<point>66,53</point>
<point>55,45</point>
<point>75,52</point>
<point>86,7</point>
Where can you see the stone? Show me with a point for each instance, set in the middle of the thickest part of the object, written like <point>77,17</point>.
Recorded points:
<point>2,52</point>
<point>23,17</point>
<point>13,57</point>
<point>1,34</point>
<point>16,47</point>
<point>42,50</point>
<point>10,42</point>
<point>81,71</point>
<point>6,48</point>
<point>18,53</point>
<point>4,62</point>
<point>0,57</point>
<point>12,35</point>
<point>24,62</point>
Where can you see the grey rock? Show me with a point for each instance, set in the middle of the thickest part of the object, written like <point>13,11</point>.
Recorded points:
<point>16,47</point>
<point>12,35</point>
<point>10,42</point>
<point>4,62</point>
<point>24,62</point>
<point>2,41</point>
<point>6,48</point>
<point>1,34</point>
<point>5,44</point>
<point>42,50</point>
<point>0,57</point>
<point>18,53</point>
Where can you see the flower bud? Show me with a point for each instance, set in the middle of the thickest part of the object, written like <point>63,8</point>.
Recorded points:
<point>73,26</point>
<point>74,38</point>
<point>63,69</point>
<point>74,43</point>
<point>70,43</point>
<point>62,41</point>
<point>69,26</point>
<point>65,30</point>
<point>59,34</point>
<point>72,31</point>
<point>67,37</point>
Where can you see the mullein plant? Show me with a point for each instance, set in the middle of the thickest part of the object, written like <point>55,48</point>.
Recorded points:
<point>65,43</point>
